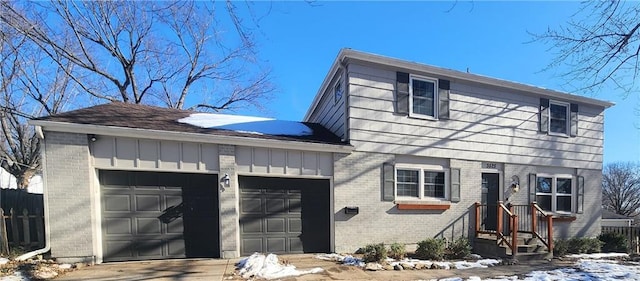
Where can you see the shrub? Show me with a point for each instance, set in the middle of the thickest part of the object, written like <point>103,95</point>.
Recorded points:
<point>458,249</point>
<point>560,247</point>
<point>577,246</point>
<point>374,253</point>
<point>613,242</point>
<point>431,249</point>
<point>397,251</point>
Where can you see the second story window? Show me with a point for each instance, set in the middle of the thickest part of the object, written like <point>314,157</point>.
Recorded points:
<point>558,118</point>
<point>423,97</point>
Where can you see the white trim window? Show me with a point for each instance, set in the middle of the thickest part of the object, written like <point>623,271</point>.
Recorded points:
<point>558,118</point>
<point>418,183</point>
<point>555,193</point>
<point>423,97</point>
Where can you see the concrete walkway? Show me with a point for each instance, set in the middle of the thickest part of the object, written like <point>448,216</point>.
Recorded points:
<point>220,269</point>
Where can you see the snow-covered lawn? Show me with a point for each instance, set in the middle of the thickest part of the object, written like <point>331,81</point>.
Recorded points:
<point>585,270</point>
<point>592,267</point>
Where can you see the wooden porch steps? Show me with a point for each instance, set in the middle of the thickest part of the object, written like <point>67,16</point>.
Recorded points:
<point>528,249</point>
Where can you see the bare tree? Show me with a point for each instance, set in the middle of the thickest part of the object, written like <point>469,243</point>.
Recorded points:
<point>621,188</point>
<point>175,54</point>
<point>29,88</point>
<point>599,46</point>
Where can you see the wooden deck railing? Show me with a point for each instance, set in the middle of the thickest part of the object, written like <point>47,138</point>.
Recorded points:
<point>536,212</point>
<point>513,228</point>
<point>534,221</point>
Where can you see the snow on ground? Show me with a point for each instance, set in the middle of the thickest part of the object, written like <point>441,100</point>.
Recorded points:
<point>349,260</point>
<point>268,267</point>
<point>590,269</point>
<point>599,256</point>
<point>247,124</point>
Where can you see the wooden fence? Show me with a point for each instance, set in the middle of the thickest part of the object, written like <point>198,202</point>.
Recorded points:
<point>21,230</point>
<point>632,233</point>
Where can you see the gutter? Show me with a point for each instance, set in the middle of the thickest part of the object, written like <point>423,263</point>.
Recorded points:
<point>45,199</point>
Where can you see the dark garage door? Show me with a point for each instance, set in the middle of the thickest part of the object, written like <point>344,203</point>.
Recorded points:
<point>279,215</point>
<point>158,215</point>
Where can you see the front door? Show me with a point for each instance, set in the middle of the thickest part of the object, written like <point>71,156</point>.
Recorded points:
<point>490,197</point>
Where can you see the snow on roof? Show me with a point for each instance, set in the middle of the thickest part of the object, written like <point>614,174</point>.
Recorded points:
<point>247,124</point>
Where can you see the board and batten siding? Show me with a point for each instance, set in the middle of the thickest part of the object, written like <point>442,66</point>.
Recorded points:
<point>153,155</point>
<point>255,160</point>
<point>330,112</point>
<point>486,124</point>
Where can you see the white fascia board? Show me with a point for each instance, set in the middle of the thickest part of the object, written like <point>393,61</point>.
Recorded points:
<point>187,137</point>
<point>348,54</point>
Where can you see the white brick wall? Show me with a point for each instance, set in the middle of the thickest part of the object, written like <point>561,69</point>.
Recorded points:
<point>68,178</point>
<point>358,181</point>
<point>229,234</point>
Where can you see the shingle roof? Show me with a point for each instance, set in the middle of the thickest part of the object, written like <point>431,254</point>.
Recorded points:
<point>606,214</point>
<point>127,115</point>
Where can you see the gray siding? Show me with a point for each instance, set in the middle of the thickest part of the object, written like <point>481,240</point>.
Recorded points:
<point>329,112</point>
<point>153,155</point>
<point>283,162</point>
<point>485,124</point>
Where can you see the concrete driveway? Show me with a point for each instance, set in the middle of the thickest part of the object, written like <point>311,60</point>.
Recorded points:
<point>162,270</point>
<point>221,269</point>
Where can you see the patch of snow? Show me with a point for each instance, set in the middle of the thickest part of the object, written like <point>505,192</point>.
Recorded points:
<point>476,264</point>
<point>268,267</point>
<point>4,261</point>
<point>599,255</point>
<point>65,266</point>
<point>16,276</point>
<point>247,124</point>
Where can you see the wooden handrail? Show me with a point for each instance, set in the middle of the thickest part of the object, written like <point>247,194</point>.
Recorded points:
<point>513,222</point>
<point>535,209</point>
<point>478,206</point>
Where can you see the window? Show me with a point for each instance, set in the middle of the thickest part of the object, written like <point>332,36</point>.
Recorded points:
<point>554,193</point>
<point>418,183</point>
<point>558,118</point>
<point>423,97</point>
<point>337,91</point>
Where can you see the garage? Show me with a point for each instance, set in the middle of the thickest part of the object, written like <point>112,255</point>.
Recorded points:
<point>155,215</point>
<point>284,215</point>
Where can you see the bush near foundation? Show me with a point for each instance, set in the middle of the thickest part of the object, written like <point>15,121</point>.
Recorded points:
<point>374,253</point>
<point>613,242</point>
<point>577,245</point>
<point>397,251</point>
<point>458,249</point>
<point>431,249</point>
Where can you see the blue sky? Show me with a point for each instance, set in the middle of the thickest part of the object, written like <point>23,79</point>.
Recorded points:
<point>300,41</point>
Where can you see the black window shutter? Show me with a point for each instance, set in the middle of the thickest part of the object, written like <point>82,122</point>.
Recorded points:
<point>455,185</point>
<point>443,99</point>
<point>574,120</point>
<point>544,115</point>
<point>388,182</point>
<point>580,195</point>
<point>532,187</point>
<point>402,93</point>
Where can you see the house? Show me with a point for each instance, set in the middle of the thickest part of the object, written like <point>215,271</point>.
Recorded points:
<point>389,151</point>
<point>610,218</point>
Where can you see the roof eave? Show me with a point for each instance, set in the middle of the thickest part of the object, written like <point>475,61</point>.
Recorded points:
<point>188,137</point>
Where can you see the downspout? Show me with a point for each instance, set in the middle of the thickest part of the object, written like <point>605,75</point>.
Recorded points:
<point>45,199</point>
